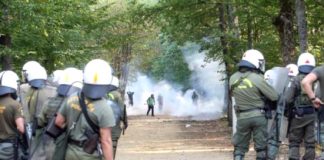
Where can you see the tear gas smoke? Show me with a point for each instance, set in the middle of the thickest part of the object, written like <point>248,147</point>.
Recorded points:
<point>205,80</point>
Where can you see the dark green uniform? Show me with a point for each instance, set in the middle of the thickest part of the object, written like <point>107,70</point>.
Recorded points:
<point>116,97</point>
<point>301,121</point>
<point>46,146</point>
<point>10,110</point>
<point>33,101</point>
<point>249,96</point>
<point>99,112</point>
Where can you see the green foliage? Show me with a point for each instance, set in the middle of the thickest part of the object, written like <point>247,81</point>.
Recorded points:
<point>170,65</point>
<point>55,33</point>
<point>199,21</point>
<point>61,33</point>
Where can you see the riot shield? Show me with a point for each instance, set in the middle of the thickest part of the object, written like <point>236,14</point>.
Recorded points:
<point>234,119</point>
<point>278,126</point>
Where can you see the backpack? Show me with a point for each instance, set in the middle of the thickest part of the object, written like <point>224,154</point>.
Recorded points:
<point>301,98</point>
<point>116,109</point>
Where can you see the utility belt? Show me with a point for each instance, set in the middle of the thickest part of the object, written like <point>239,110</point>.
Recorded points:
<point>301,111</point>
<point>7,141</point>
<point>77,143</point>
<point>237,111</point>
<point>267,112</point>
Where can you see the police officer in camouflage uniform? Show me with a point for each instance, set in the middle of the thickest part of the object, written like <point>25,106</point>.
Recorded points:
<point>34,98</point>
<point>97,77</point>
<point>11,117</point>
<point>317,75</point>
<point>249,90</point>
<point>302,119</point>
<point>69,82</point>
<point>116,98</point>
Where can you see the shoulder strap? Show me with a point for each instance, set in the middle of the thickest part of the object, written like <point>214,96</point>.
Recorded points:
<point>237,83</point>
<point>93,126</point>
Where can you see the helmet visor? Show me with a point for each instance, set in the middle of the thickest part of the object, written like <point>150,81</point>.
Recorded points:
<point>262,65</point>
<point>37,83</point>
<point>66,90</point>
<point>305,69</point>
<point>244,63</point>
<point>95,91</point>
<point>5,90</point>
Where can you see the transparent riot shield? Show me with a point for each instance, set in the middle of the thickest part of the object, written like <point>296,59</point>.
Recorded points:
<point>278,126</point>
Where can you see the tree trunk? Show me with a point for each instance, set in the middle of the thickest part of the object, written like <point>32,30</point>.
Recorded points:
<point>284,24</point>
<point>249,30</point>
<point>222,26</point>
<point>6,59</point>
<point>122,65</point>
<point>302,25</point>
<point>5,40</point>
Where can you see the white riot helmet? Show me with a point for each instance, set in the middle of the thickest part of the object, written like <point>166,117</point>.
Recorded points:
<point>70,81</point>
<point>115,81</point>
<point>114,84</point>
<point>253,59</point>
<point>55,76</point>
<point>306,63</point>
<point>28,66</point>
<point>37,77</point>
<point>267,74</point>
<point>8,82</point>
<point>97,76</point>
<point>292,70</point>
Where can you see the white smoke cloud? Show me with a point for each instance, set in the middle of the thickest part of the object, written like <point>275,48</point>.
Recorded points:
<point>205,79</point>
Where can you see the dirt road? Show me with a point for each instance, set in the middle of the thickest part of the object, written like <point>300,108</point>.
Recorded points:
<point>167,138</point>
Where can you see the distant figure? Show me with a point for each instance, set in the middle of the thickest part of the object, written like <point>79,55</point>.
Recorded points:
<point>150,102</point>
<point>160,102</point>
<point>130,97</point>
<point>194,97</point>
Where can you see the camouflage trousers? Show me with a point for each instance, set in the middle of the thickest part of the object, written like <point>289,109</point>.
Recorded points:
<point>302,130</point>
<point>42,147</point>
<point>7,152</point>
<point>255,127</point>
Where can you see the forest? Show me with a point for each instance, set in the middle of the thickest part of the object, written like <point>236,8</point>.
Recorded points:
<point>147,35</point>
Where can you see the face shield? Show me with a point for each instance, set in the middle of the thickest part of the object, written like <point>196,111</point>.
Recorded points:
<point>262,65</point>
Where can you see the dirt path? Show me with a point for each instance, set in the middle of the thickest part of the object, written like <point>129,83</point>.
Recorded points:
<point>167,138</point>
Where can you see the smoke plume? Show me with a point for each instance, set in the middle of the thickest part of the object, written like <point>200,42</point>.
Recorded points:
<point>206,81</point>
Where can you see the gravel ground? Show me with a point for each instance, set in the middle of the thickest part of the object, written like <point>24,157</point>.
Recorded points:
<point>171,138</point>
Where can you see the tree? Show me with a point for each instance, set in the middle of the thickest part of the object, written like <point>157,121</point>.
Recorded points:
<point>55,33</point>
<point>170,65</point>
<point>302,25</point>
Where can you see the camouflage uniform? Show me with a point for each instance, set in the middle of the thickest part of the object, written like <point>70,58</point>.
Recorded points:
<point>45,147</point>
<point>249,108</point>
<point>33,103</point>
<point>98,112</point>
<point>116,131</point>
<point>10,110</point>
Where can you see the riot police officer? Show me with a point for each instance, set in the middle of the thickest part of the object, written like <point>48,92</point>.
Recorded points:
<point>249,90</point>
<point>11,117</point>
<point>69,82</point>
<point>87,116</point>
<point>36,94</point>
<point>303,114</point>
<point>120,113</point>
